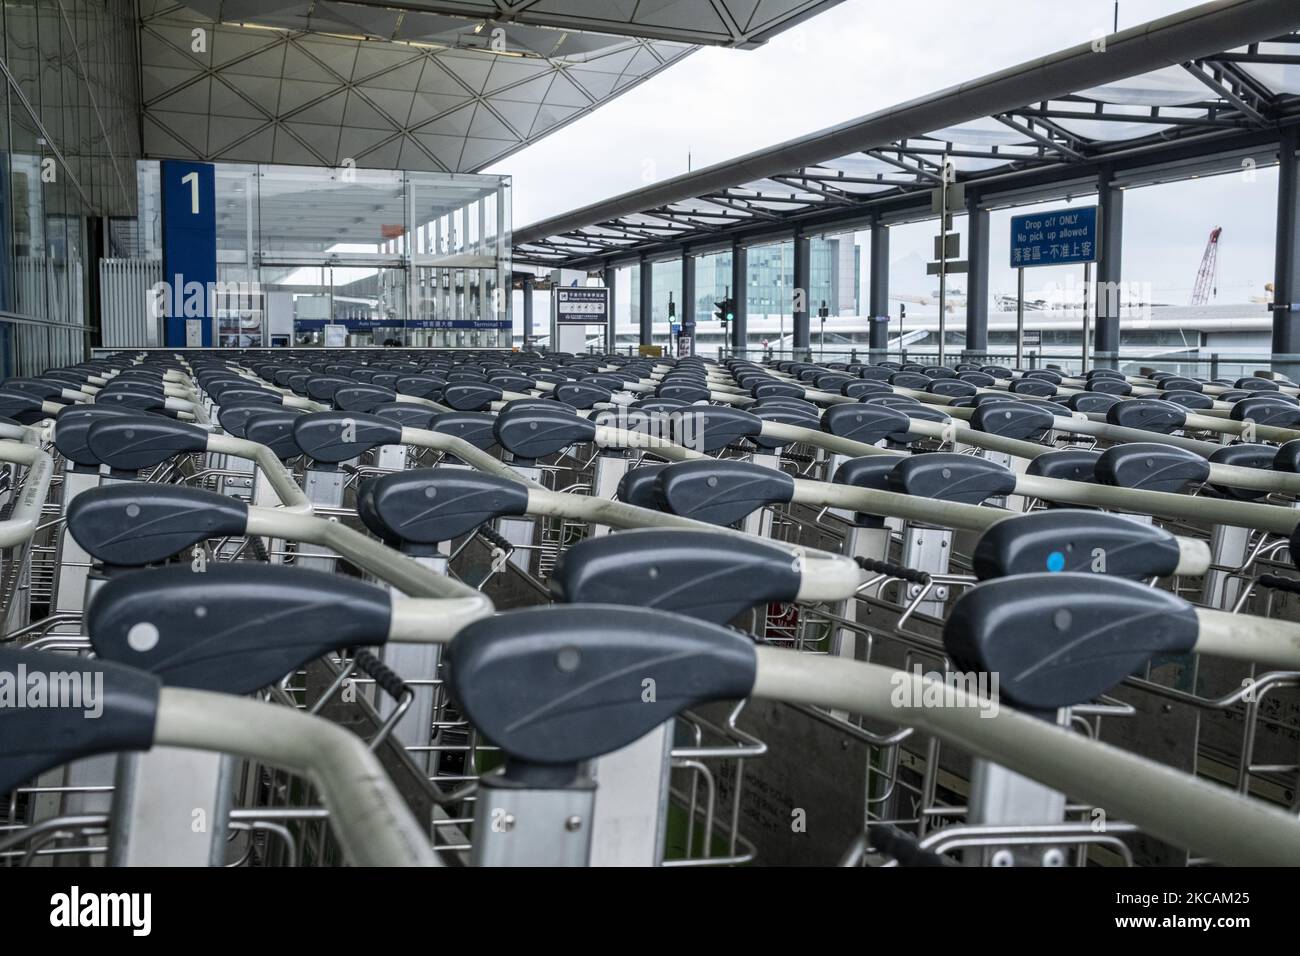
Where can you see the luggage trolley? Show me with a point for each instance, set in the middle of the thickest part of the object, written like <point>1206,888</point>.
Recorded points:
<point>850,473</point>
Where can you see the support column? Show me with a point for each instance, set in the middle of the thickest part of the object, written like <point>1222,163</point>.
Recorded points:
<point>977,280</point>
<point>528,313</point>
<point>1286,271</point>
<point>740,293</point>
<point>687,310</point>
<point>611,333</point>
<point>1110,201</point>
<point>647,302</point>
<point>802,283</point>
<point>878,292</point>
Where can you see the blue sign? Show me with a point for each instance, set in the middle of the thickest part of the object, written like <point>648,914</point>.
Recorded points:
<point>479,324</point>
<point>1058,237</point>
<point>374,325</point>
<point>189,241</point>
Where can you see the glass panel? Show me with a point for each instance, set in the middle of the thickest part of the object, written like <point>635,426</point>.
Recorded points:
<point>1168,86</point>
<point>417,259</point>
<point>627,307</point>
<point>914,293</point>
<point>23,49</point>
<point>712,285</point>
<point>839,282</point>
<point>28,218</point>
<point>237,209</point>
<point>298,303</point>
<point>770,293</point>
<point>667,289</point>
<point>311,213</point>
<point>68,130</point>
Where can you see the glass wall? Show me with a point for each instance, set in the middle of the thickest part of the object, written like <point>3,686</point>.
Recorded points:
<point>712,285</point>
<point>841,268</point>
<point>667,289</point>
<point>836,274</point>
<point>627,307</point>
<point>69,135</point>
<point>398,258</point>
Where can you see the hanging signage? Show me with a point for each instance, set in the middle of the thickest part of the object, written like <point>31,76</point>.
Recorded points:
<point>1058,237</point>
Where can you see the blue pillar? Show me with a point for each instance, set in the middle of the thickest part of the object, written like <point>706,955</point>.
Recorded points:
<point>189,246</point>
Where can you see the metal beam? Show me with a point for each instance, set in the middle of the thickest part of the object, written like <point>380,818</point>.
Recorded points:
<point>878,289</point>
<point>1188,35</point>
<point>686,314</point>
<point>1027,130</point>
<point>647,301</point>
<point>528,313</point>
<point>977,280</point>
<point>800,307</point>
<point>611,333</point>
<point>1286,272</point>
<point>1153,162</point>
<point>740,294</point>
<point>1106,335</point>
<point>1221,89</point>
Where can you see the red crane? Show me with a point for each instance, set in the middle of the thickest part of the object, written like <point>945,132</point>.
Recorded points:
<point>1207,279</point>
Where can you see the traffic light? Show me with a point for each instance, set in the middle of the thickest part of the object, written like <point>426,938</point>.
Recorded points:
<point>724,311</point>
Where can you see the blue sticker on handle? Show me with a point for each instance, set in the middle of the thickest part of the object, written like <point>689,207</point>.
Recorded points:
<point>1056,562</point>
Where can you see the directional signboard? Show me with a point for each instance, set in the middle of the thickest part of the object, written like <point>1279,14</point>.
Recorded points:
<point>576,305</point>
<point>1058,237</point>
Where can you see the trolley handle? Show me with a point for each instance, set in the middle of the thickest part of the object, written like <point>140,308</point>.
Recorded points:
<point>893,570</point>
<point>384,676</point>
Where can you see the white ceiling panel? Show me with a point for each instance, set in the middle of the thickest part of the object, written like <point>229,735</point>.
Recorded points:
<point>444,85</point>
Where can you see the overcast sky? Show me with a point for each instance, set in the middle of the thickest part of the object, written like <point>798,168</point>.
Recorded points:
<point>864,55</point>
